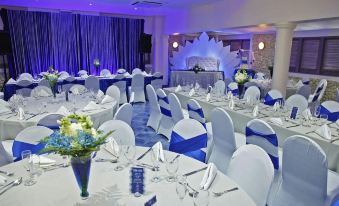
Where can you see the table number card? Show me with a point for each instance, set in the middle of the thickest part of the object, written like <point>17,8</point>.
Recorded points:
<point>294,113</point>
<point>137,181</point>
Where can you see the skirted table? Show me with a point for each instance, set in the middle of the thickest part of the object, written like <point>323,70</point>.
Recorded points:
<point>204,78</point>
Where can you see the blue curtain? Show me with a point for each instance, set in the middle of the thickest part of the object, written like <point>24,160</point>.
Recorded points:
<point>71,42</point>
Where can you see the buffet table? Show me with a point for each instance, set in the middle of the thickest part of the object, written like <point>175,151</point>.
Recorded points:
<point>204,78</point>
<point>110,187</point>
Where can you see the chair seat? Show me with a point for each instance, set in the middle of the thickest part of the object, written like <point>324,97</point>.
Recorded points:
<point>8,144</point>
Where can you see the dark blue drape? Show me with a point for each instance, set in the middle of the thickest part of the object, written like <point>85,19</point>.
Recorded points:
<point>70,42</point>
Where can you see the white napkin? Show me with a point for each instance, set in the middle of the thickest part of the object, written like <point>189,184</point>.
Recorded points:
<point>91,106</point>
<point>127,74</point>
<point>3,180</point>
<point>276,106</point>
<point>277,121</point>
<point>255,111</point>
<point>107,99</point>
<point>75,91</point>
<point>21,113</point>
<point>191,93</point>
<point>197,85</point>
<point>113,147</point>
<point>229,94</point>
<point>178,89</point>
<point>208,97</point>
<point>231,104</point>
<point>11,81</point>
<point>63,111</point>
<point>42,160</point>
<point>100,94</point>
<point>307,114</point>
<point>209,176</point>
<point>299,84</point>
<point>324,131</point>
<point>159,151</point>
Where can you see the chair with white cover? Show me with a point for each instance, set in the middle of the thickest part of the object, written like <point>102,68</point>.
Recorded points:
<point>166,122</point>
<point>29,139</point>
<point>121,71</point>
<point>41,91</point>
<point>120,82</point>
<point>122,132</point>
<point>176,110</point>
<point>136,71</point>
<point>105,73</point>
<point>114,91</point>
<point>42,74</point>
<point>252,93</point>
<point>44,82</point>
<point>138,87</point>
<point>219,87</point>
<point>196,112</point>
<point>63,75</point>
<point>24,88</point>
<point>304,174</point>
<point>251,168</point>
<point>124,113</point>
<point>78,89</point>
<point>319,91</point>
<point>157,81</point>
<point>272,97</point>
<point>92,83</point>
<point>305,91</point>
<point>25,76</point>
<point>82,73</point>
<point>259,133</point>
<point>331,109</point>
<point>298,101</point>
<point>155,115</point>
<point>68,83</point>
<point>227,81</point>
<point>189,137</point>
<point>50,121</point>
<point>233,87</point>
<point>5,158</point>
<point>259,76</point>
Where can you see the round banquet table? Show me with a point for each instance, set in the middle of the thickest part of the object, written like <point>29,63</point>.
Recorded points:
<point>109,187</point>
<point>10,125</point>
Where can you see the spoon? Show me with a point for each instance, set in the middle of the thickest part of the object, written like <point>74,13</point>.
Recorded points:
<point>7,173</point>
<point>15,183</point>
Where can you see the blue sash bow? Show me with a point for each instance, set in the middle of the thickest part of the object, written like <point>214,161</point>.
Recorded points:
<point>19,146</point>
<point>189,147</point>
<point>332,116</point>
<point>199,111</point>
<point>163,110</point>
<point>270,101</point>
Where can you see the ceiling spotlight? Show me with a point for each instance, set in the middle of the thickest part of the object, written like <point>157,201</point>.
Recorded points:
<point>135,8</point>
<point>90,4</point>
<point>261,45</point>
<point>175,45</point>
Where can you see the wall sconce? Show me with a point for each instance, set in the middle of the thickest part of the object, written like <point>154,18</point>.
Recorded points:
<point>261,45</point>
<point>175,45</point>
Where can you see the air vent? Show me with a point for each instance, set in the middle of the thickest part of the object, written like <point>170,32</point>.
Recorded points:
<point>146,4</point>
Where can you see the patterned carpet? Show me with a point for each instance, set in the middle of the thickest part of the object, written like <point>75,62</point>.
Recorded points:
<point>145,136</point>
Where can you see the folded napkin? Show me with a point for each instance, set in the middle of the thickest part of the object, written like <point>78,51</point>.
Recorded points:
<point>209,176</point>
<point>91,106</point>
<point>11,81</point>
<point>231,104</point>
<point>229,95</point>
<point>191,93</point>
<point>63,111</point>
<point>159,151</point>
<point>112,147</point>
<point>324,131</point>
<point>277,121</point>
<point>255,111</point>
<point>42,160</point>
<point>276,106</point>
<point>3,180</point>
<point>100,94</point>
<point>76,91</point>
<point>197,85</point>
<point>178,88</point>
<point>107,99</point>
<point>208,97</point>
<point>299,84</point>
<point>127,74</point>
<point>307,114</point>
<point>21,113</point>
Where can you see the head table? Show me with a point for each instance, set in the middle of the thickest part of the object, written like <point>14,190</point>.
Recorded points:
<point>110,187</point>
<point>36,109</point>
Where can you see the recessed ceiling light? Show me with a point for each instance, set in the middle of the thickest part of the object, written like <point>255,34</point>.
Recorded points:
<point>90,4</point>
<point>135,8</point>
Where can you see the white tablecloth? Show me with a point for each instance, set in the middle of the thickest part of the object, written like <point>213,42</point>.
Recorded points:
<point>10,127</point>
<point>241,117</point>
<point>109,187</point>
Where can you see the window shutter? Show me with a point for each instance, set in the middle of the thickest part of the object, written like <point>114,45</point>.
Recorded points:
<point>331,55</point>
<point>309,56</point>
<point>294,54</point>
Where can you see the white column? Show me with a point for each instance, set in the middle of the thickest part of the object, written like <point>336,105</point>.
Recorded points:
<point>283,45</point>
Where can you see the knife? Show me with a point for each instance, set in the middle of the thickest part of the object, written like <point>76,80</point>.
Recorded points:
<point>143,155</point>
<point>195,171</point>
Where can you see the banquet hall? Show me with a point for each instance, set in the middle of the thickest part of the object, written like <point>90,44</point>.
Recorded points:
<point>169,102</point>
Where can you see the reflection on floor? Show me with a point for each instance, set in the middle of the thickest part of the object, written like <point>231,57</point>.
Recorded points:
<point>145,136</point>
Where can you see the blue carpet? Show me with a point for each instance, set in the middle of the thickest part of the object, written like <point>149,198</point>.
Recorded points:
<point>145,136</point>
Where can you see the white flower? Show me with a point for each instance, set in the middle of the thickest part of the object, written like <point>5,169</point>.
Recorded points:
<point>94,132</point>
<point>74,128</point>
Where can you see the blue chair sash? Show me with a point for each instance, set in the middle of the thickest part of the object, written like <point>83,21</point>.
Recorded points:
<point>19,146</point>
<point>153,78</point>
<point>163,110</point>
<point>189,147</point>
<point>199,111</point>
<point>270,101</point>
<point>234,92</point>
<point>31,86</point>
<point>165,99</point>
<point>332,116</point>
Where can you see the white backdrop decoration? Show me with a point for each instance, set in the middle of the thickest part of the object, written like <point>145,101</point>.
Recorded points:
<point>205,47</point>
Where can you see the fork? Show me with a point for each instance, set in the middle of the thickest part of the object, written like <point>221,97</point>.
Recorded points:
<point>218,194</point>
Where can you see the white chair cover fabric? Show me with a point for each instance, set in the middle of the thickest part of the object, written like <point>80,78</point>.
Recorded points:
<point>195,112</point>
<point>68,83</point>
<point>155,115</point>
<point>252,93</point>
<point>272,97</point>
<point>78,89</point>
<point>50,121</point>
<point>114,92</point>
<point>189,142</point>
<point>63,75</point>
<point>105,73</point>
<point>166,122</point>
<point>297,100</point>
<point>121,84</point>
<point>219,87</point>
<point>259,133</point>
<point>227,81</point>
<point>331,109</point>
<point>136,71</point>
<point>122,132</point>
<point>41,91</point>
<point>24,88</point>
<point>319,91</point>
<point>305,91</point>
<point>125,113</point>
<point>44,82</point>
<point>138,88</point>
<point>5,158</point>
<point>92,83</point>
<point>82,73</point>
<point>304,174</point>
<point>25,76</point>
<point>121,71</point>
<point>157,81</point>
<point>176,110</point>
<point>252,169</point>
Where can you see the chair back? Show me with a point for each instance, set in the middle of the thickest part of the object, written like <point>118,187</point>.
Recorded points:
<point>152,99</point>
<point>122,132</point>
<point>138,87</point>
<point>224,143</point>
<point>114,92</point>
<point>165,108</point>
<point>297,100</point>
<point>252,93</point>
<point>78,89</point>
<point>157,80</point>
<point>176,110</point>
<point>257,177</point>
<point>5,158</point>
<point>41,91</point>
<point>24,88</point>
<point>319,91</point>
<point>331,109</point>
<point>120,82</point>
<point>189,142</point>
<point>305,91</point>
<point>105,73</point>
<point>220,87</point>
<point>82,73</point>
<point>233,87</point>
<point>125,113</point>
<point>272,97</point>
<point>25,76</point>
<point>227,81</point>
<point>29,139</point>
<point>63,75</point>
<point>50,121</point>
<point>121,71</point>
<point>259,133</point>
<point>92,83</point>
<point>44,82</point>
<point>136,71</point>
<point>195,112</point>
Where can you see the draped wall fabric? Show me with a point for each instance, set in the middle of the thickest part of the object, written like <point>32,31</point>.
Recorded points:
<point>71,42</point>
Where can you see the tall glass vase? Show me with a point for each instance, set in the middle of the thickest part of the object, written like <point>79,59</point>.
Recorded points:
<point>54,89</point>
<point>240,90</point>
<point>81,167</point>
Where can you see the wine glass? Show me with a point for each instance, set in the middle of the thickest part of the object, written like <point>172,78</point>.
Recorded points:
<point>181,188</point>
<point>129,152</point>
<point>172,168</point>
<point>27,159</point>
<point>119,167</point>
<point>155,161</point>
<point>201,198</point>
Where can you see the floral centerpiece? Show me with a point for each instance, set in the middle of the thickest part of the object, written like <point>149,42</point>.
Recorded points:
<point>197,68</point>
<point>52,76</point>
<point>96,64</point>
<point>241,77</point>
<point>76,138</point>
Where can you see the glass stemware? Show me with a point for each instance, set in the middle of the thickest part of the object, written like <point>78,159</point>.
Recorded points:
<point>201,198</point>
<point>323,118</point>
<point>27,159</point>
<point>119,167</point>
<point>181,188</point>
<point>156,162</point>
<point>129,152</point>
<point>172,168</point>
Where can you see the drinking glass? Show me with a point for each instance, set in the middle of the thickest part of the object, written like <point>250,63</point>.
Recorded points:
<point>119,167</point>
<point>316,111</point>
<point>172,168</point>
<point>59,89</point>
<point>323,118</point>
<point>129,152</point>
<point>155,161</point>
<point>27,159</point>
<point>181,188</point>
<point>201,198</point>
